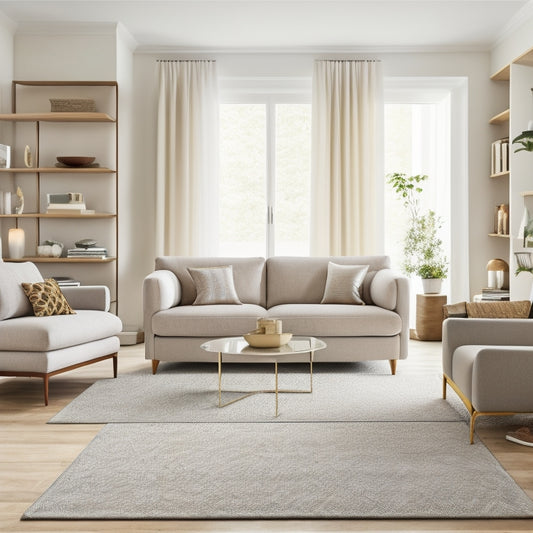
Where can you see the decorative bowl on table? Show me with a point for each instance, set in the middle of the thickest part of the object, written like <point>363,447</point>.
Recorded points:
<point>75,161</point>
<point>269,340</point>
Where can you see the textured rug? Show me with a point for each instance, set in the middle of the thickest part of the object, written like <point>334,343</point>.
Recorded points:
<point>283,470</point>
<point>190,394</point>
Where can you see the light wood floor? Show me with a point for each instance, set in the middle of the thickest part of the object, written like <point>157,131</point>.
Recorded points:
<point>33,454</point>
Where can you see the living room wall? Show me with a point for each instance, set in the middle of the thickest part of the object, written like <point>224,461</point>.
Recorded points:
<point>101,52</point>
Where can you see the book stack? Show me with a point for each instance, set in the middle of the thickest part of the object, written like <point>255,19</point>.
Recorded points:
<point>93,252</point>
<point>495,295</point>
<point>64,281</point>
<point>67,204</point>
<point>500,156</point>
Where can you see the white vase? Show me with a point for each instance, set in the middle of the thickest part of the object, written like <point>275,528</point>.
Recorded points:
<point>432,285</point>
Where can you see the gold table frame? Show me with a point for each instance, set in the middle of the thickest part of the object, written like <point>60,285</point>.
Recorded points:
<point>299,346</point>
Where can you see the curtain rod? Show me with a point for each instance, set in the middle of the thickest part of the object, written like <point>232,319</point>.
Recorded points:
<point>185,60</point>
<point>352,60</point>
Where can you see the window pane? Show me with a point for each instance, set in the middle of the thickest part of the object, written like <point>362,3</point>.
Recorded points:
<point>293,152</point>
<point>242,179</point>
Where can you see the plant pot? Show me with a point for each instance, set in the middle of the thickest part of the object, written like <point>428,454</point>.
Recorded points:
<point>432,285</point>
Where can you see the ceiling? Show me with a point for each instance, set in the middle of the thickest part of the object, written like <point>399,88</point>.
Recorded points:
<point>289,24</point>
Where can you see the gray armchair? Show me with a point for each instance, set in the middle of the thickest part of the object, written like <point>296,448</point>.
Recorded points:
<point>42,347</point>
<point>488,362</point>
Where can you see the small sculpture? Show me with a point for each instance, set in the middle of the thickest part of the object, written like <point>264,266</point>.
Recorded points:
<point>19,208</point>
<point>28,158</point>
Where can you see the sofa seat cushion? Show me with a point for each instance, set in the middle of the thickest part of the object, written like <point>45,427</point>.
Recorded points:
<point>337,320</point>
<point>41,334</point>
<point>206,320</point>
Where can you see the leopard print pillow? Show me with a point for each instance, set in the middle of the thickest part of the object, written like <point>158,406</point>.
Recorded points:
<point>47,299</point>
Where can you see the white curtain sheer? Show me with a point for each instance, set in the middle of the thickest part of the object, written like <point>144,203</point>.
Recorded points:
<point>187,159</point>
<point>346,173</point>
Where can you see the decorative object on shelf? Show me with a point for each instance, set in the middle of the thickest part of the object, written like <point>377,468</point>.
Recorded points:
<point>499,156</point>
<point>7,203</point>
<point>72,105</point>
<point>496,273</point>
<point>502,220</point>
<point>19,209</point>
<point>5,156</point>
<point>50,249</point>
<point>423,254</point>
<point>75,160</point>
<point>16,243</point>
<point>28,157</point>
<point>525,231</point>
<point>87,252</point>
<point>523,262</point>
<point>85,243</point>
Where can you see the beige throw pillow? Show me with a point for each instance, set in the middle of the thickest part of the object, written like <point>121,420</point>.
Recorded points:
<point>214,285</point>
<point>47,299</point>
<point>343,284</point>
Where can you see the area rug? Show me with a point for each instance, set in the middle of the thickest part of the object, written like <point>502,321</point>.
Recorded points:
<point>351,470</point>
<point>340,393</point>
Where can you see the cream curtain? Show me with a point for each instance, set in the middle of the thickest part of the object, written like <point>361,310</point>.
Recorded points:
<point>187,159</point>
<point>347,176</point>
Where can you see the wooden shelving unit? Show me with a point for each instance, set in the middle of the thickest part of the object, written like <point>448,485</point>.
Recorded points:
<point>29,101</point>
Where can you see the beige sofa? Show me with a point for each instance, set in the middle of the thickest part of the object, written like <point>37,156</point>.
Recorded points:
<point>42,347</point>
<point>287,288</point>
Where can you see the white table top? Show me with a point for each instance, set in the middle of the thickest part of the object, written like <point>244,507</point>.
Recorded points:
<point>237,345</point>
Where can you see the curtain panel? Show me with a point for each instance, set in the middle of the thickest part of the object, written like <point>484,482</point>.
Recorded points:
<point>347,139</point>
<point>187,158</point>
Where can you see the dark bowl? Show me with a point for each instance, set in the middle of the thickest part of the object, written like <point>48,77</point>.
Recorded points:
<point>75,161</point>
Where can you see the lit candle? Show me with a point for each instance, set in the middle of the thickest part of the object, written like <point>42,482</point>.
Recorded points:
<point>15,243</point>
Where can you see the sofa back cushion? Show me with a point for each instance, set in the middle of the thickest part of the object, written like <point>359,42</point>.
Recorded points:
<point>13,300</point>
<point>302,280</point>
<point>249,275</point>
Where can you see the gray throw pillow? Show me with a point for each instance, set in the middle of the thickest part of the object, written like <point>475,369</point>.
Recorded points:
<point>214,285</point>
<point>343,284</point>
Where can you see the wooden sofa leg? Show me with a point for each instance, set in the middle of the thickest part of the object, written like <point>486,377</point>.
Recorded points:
<point>155,364</point>
<point>45,384</point>
<point>115,365</point>
<point>392,363</point>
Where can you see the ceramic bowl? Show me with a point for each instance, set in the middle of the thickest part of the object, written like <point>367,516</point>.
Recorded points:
<point>273,340</point>
<point>75,161</point>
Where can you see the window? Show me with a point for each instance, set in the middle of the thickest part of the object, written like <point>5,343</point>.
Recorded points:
<point>265,177</point>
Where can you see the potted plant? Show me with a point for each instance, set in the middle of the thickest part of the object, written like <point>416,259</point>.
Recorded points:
<point>423,254</point>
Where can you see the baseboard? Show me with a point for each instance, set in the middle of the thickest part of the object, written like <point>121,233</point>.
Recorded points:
<point>128,338</point>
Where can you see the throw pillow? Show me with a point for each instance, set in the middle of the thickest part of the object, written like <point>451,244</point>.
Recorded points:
<point>515,309</point>
<point>343,284</point>
<point>47,299</point>
<point>457,310</point>
<point>214,285</point>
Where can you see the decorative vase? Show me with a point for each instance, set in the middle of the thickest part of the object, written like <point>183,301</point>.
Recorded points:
<point>432,285</point>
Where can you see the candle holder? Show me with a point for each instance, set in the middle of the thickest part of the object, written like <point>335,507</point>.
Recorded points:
<point>16,243</point>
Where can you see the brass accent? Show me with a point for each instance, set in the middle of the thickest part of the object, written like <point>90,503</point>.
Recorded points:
<point>468,404</point>
<point>275,391</point>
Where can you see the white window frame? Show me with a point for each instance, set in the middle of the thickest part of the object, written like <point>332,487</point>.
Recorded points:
<point>270,92</point>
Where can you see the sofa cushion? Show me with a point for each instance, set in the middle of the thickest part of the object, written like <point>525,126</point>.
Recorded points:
<point>47,299</point>
<point>344,283</point>
<point>41,334</point>
<point>214,285</point>
<point>206,320</point>
<point>249,274</point>
<point>302,280</point>
<point>337,320</point>
<point>13,300</point>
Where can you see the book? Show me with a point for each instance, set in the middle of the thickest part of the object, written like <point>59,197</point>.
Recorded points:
<point>67,205</point>
<point>55,211</point>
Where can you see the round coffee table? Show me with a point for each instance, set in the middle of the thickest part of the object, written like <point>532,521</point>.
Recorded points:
<point>298,348</point>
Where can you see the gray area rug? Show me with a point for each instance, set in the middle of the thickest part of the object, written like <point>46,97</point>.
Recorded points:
<point>190,394</point>
<point>283,470</point>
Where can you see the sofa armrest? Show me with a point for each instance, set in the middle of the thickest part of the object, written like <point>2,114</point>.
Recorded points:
<point>88,297</point>
<point>483,331</point>
<point>390,290</point>
<point>161,290</point>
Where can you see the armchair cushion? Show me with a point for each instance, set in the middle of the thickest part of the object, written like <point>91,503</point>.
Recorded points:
<point>13,300</point>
